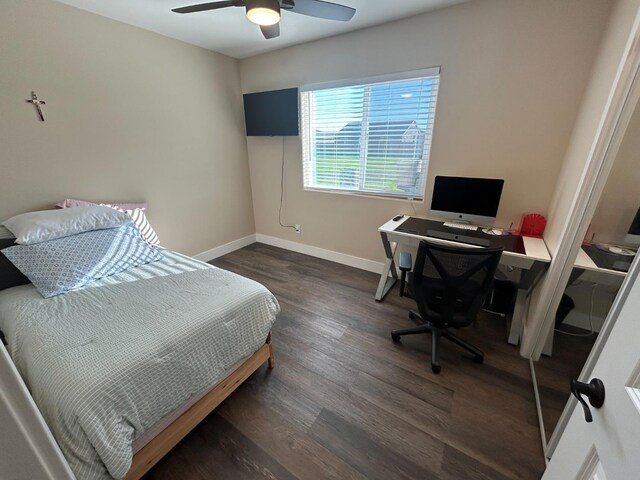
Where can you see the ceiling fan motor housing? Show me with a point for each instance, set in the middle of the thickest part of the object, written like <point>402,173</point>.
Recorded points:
<point>263,12</point>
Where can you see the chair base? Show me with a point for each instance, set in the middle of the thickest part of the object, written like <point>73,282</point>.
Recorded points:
<point>436,333</point>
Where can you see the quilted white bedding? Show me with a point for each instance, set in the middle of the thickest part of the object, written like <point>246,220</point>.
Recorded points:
<point>108,361</point>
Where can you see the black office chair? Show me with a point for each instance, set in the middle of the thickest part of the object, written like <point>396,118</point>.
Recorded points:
<point>449,285</point>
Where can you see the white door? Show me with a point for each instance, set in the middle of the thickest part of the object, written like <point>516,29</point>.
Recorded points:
<point>609,447</point>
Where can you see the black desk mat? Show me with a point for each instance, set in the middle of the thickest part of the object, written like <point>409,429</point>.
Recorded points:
<point>604,259</point>
<point>434,229</point>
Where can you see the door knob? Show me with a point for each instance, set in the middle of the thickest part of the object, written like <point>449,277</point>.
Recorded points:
<point>594,391</point>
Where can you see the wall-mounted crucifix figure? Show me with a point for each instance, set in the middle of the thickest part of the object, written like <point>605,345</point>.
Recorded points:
<point>36,103</point>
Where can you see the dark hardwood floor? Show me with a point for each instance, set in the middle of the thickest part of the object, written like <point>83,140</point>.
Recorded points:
<point>555,372</point>
<point>345,402</point>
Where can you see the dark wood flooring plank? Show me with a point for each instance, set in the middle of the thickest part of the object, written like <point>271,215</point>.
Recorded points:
<point>292,313</point>
<point>488,385</point>
<point>217,450</point>
<point>325,365</point>
<point>412,410</point>
<point>388,429</point>
<point>248,458</point>
<point>269,391</point>
<point>554,373</point>
<point>458,466</point>
<point>293,449</point>
<point>510,447</point>
<point>367,362</point>
<point>344,401</point>
<point>359,449</point>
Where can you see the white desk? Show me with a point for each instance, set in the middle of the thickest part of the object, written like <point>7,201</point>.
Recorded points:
<point>533,263</point>
<point>585,262</point>
<point>586,269</point>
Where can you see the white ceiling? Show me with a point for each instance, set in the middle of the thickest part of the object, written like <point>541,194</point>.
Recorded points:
<point>228,31</point>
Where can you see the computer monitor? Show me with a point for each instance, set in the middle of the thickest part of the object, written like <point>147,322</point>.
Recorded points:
<point>467,200</point>
<point>633,237</point>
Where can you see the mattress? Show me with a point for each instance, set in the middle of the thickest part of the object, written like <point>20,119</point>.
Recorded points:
<point>152,432</point>
<point>108,362</point>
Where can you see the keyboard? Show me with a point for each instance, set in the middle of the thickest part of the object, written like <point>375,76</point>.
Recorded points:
<point>460,226</point>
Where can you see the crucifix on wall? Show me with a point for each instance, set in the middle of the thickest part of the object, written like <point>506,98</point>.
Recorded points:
<point>36,103</point>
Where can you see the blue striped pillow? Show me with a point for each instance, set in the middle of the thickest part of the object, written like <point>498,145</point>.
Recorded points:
<point>64,264</point>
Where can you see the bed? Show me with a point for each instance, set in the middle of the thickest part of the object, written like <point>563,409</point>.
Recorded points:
<point>124,367</point>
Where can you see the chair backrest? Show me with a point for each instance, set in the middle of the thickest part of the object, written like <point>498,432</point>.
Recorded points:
<point>450,284</point>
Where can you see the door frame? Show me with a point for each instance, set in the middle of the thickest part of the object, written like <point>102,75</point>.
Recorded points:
<point>620,107</point>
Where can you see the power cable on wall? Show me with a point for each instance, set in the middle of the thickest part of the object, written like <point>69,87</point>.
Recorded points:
<point>415,214</point>
<point>284,144</point>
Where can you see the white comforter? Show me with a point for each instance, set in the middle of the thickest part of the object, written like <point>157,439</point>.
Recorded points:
<point>106,362</point>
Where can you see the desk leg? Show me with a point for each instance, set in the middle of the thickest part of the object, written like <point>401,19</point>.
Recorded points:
<point>528,280</point>
<point>548,344</point>
<point>386,282</point>
<point>517,317</point>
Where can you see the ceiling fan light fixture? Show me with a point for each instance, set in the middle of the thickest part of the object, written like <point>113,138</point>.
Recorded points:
<point>263,12</point>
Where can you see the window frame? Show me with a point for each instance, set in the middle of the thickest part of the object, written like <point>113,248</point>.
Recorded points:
<point>307,136</point>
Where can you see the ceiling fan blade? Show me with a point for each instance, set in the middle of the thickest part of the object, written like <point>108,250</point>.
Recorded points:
<point>201,7</point>
<point>320,9</point>
<point>270,31</point>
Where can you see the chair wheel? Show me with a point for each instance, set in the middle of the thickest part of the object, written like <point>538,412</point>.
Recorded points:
<point>435,368</point>
<point>479,359</point>
<point>395,338</point>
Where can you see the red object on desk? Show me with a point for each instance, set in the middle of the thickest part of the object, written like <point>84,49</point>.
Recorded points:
<point>533,225</point>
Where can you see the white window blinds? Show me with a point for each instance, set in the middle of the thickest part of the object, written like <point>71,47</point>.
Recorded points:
<point>371,136</point>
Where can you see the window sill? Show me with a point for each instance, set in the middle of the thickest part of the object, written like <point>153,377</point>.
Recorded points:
<point>355,193</point>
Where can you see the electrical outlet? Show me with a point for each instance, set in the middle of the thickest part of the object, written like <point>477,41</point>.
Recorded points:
<point>297,228</point>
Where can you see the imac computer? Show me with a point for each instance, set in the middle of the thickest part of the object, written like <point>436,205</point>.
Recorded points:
<point>466,200</point>
<point>633,237</point>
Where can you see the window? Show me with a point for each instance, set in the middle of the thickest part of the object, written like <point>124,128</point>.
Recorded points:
<point>370,136</point>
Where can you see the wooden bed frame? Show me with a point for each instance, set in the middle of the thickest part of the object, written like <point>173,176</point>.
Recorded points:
<point>157,448</point>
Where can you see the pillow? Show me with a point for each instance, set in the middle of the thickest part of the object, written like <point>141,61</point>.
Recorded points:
<point>36,227</point>
<point>10,276</point>
<point>134,210</point>
<point>64,264</point>
<point>72,202</point>
<point>140,220</point>
<point>5,233</point>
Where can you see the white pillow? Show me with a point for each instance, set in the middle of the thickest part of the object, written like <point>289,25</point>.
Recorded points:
<point>36,227</point>
<point>5,233</point>
<point>140,220</point>
<point>72,202</point>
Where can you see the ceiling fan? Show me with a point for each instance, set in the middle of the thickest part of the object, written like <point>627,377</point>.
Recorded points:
<point>266,13</point>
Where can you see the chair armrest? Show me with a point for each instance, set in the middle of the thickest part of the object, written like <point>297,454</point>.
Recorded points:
<point>405,262</point>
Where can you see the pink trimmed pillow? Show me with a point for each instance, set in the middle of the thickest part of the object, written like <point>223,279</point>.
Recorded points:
<point>72,202</point>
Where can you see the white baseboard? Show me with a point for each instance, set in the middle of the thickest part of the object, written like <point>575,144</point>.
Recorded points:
<point>226,248</point>
<point>343,258</point>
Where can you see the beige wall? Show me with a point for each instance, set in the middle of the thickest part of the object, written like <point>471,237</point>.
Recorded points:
<point>578,161</point>
<point>621,197</point>
<point>130,115</point>
<point>589,118</point>
<point>513,74</point>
